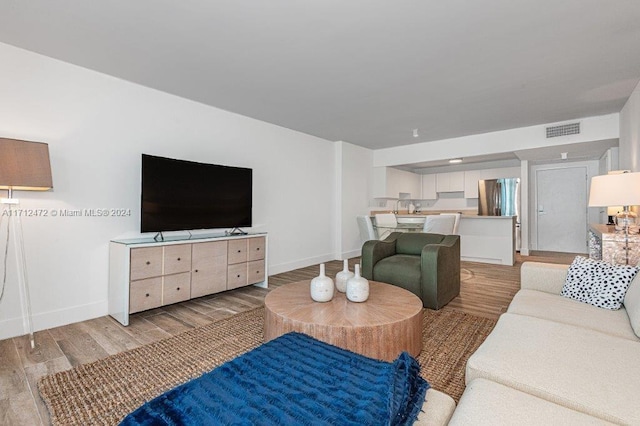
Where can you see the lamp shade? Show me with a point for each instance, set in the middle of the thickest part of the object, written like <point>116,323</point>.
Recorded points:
<point>621,189</point>
<point>24,165</point>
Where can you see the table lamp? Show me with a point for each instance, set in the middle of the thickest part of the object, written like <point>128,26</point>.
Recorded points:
<point>24,166</point>
<point>612,212</point>
<point>621,189</point>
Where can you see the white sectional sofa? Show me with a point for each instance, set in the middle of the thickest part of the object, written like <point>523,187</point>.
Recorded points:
<point>552,360</point>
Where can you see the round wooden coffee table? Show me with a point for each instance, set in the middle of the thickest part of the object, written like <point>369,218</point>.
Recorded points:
<point>389,322</point>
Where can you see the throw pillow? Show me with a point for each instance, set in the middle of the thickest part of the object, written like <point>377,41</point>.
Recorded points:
<point>598,283</point>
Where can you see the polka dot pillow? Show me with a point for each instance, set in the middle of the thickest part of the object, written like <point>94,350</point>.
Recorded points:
<point>598,283</point>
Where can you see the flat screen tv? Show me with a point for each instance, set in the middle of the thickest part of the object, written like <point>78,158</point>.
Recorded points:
<point>180,195</point>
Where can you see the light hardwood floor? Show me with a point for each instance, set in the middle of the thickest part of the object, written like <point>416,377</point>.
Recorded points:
<point>486,290</point>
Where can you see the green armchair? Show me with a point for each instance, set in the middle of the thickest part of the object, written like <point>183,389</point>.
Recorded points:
<point>428,265</point>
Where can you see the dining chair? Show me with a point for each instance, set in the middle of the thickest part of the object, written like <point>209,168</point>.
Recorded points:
<point>365,226</point>
<point>386,223</point>
<point>456,224</point>
<point>439,224</point>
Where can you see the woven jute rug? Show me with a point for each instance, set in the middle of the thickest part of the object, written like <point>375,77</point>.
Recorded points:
<point>105,391</point>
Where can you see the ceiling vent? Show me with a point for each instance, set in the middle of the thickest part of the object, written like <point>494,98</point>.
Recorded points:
<point>563,130</point>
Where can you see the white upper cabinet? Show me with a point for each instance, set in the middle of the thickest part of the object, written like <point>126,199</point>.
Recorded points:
<point>390,183</point>
<point>471,179</point>
<point>450,182</point>
<point>429,187</point>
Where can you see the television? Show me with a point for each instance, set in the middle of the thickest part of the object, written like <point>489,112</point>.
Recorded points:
<point>179,195</point>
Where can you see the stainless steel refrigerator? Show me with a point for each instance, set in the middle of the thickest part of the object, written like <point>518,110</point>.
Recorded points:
<point>500,197</point>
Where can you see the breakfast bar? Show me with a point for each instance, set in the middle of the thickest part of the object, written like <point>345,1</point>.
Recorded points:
<point>486,239</point>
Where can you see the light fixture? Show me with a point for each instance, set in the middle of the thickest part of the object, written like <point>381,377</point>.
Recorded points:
<point>455,160</point>
<point>563,155</point>
<point>612,212</point>
<point>621,189</point>
<point>415,133</point>
<point>24,166</point>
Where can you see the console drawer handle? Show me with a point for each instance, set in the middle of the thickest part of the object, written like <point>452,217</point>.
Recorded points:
<point>148,263</point>
<point>178,259</point>
<point>178,289</point>
<point>146,295</point>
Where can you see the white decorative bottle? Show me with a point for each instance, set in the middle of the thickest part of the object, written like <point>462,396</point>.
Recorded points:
<point>357,287</point>
<point>322,287</point>
<point>342,277</point>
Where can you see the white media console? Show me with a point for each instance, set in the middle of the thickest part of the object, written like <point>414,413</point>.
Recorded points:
<point>146,274</point>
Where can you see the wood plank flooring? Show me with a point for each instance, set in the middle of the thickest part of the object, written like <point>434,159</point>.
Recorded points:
<point>486,290</point>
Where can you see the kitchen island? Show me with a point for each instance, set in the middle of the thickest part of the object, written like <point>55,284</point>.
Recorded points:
<point>486,239</point>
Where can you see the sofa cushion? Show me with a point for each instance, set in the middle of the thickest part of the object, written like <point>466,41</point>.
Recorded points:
<point>436,410</point>
<point>632,304</point>
<point>402,270</point>
<point>488,403</point>
<point>561,309</point>
<point>414,242</point>
<point>578,368</point>
<point>598,283</point>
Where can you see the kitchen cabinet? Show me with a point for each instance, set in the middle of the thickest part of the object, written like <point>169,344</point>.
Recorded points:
<point>471,179</point>
<point>390,183</point>
<point>450,182</point>
<point>429,187</point>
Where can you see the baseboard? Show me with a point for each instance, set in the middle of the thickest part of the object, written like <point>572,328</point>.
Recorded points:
<point>13,327</point>
<point>350,254</point>
<point>301,263</point>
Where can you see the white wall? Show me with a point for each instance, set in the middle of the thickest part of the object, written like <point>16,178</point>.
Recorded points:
<point>354,177</point>
<point>96,127</point>
<point>630,133</point>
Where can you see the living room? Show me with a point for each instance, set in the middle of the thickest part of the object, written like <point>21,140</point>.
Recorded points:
<point>307,189</point>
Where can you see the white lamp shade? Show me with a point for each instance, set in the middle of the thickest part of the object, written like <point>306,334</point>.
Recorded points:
<point>621,189</point>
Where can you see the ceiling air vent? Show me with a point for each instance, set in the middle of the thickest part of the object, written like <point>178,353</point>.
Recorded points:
<point>563,130</point>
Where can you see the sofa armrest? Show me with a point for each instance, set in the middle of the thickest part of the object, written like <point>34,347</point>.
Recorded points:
<point>374,251</point>
<point>547,277</point>
<point>440,270</point>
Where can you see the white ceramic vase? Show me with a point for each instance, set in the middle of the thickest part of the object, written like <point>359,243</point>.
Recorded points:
<point>357,287</point>
<point>322,287</point>
<point>342,277</point>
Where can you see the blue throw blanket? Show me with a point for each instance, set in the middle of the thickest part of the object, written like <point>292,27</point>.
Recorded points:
<point>294,379</point>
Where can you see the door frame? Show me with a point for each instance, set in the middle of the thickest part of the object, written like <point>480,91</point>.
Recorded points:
<point>591,212</point>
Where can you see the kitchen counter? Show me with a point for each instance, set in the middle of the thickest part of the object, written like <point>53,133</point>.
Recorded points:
<point>486,239</point>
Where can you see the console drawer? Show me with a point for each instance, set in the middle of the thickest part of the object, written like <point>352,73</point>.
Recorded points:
<point>255,271</point>
<point>237,251</point>
<point>145,294</point>
<point>177,258</point>
<point>146,262</point>
<point>176,288</point>
<point>256,248</point>
<point>236,276</point>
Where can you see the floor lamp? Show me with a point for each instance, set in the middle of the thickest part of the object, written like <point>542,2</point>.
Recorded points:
<point>24,166</point>
<point>621,189</point>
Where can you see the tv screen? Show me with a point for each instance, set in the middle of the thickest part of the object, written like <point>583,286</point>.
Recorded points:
<point>183,195</point>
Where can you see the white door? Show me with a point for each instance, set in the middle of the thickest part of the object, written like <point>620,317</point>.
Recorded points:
<point>561,201</point>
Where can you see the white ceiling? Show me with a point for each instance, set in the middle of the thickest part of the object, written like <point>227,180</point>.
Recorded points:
<point>361,71</point>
